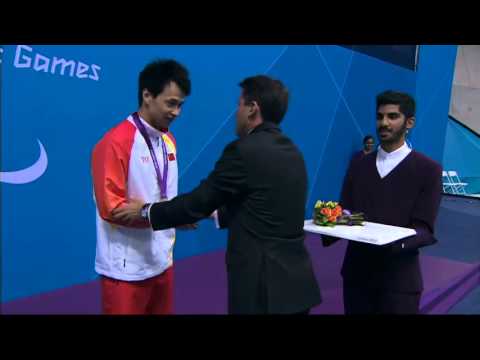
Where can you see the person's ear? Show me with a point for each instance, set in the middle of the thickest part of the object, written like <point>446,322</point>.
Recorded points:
<point>147,97</point>
<point>410,122</point>
<point>253,109</point>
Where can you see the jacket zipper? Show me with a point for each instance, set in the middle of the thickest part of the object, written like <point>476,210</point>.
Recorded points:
<point>126,254</point>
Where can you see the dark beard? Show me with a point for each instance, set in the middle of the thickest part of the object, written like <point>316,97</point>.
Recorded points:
<point>396,135</point>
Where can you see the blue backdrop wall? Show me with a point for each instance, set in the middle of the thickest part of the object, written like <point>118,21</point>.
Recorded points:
<point>57,101</point>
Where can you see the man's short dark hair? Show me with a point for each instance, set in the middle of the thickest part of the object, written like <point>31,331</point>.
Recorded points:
<point>405,102</point>
<point>159,73</point>
<point>368,137</point>
<point>270,94</point>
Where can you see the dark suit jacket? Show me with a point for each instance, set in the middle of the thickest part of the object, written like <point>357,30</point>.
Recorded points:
<point>259,186</point>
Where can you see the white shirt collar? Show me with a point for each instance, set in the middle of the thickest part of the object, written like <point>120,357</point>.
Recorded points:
<point>386,162</point>
<point>400,153</point>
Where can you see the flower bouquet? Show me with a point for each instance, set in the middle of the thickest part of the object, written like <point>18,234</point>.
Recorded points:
<point>330,213</point>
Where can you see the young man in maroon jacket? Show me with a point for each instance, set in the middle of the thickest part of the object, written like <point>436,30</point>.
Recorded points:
<point>398,186</point>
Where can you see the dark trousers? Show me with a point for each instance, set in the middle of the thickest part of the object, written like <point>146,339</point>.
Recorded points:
<point>362,300</point>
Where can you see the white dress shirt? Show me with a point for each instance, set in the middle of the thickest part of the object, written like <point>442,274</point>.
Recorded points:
<point>386,162</point>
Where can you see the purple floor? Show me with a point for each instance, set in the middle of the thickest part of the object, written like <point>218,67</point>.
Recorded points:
<point>201,286</point>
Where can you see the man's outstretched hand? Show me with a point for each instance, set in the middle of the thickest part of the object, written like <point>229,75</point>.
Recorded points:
<point>130,213</point>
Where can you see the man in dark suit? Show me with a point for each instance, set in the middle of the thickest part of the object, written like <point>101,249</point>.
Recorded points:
<point>259,186</point>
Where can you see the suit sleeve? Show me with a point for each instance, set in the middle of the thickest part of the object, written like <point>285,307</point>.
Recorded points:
<point>223,217</point>
<point>424,214</point>
<point>227,180</point>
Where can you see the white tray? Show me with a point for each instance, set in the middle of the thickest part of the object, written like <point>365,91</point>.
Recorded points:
<point>371,233</point>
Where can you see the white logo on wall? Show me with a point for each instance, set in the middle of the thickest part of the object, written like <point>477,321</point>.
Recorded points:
<point>29,174</point>
<point>26,57</point>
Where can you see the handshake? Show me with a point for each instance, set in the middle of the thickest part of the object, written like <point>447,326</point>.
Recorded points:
<point>130,213</point>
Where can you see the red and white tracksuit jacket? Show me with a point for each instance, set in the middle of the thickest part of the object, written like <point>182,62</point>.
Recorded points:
<point>122,168</point>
